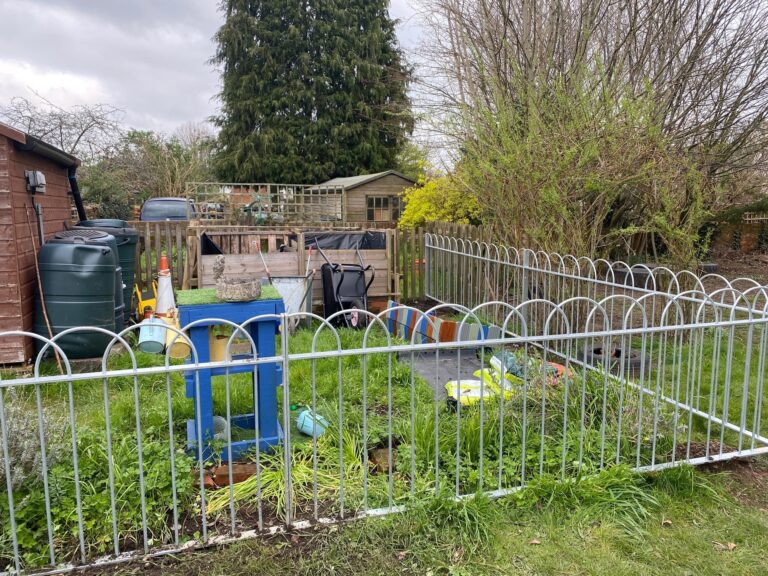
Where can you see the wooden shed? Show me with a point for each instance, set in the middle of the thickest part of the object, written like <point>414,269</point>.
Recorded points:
<point>21,225</point>
<point>373,197</point>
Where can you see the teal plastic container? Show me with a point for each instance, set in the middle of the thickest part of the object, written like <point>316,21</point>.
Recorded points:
<point>78,272</point>
<point>126,238</point>
<point>310,423</point>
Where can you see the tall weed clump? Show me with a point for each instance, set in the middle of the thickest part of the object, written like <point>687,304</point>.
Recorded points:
<point>162,488</point>
<point>22,425</point>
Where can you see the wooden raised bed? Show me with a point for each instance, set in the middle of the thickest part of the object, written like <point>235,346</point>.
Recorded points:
<point>241,246</point>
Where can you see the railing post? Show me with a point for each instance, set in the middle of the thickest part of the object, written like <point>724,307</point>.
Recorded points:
<point>421,272</point>
<point>427,266</point>
<point>286,421</point>
<point>524,285</point>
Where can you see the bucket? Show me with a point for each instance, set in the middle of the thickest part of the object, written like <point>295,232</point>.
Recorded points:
<point>152,335</point>
<point>217,344</point>
<point>310,423</point>
<point>179,348</point>
<point>218,347</point>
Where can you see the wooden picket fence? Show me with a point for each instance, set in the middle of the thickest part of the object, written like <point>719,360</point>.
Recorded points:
<point>410,257</point>
<point>181,241</point>
<point>409,264</point>
<point>154,239</point>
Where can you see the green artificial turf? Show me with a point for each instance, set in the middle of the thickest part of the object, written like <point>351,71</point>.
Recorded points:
<point>208,296</point>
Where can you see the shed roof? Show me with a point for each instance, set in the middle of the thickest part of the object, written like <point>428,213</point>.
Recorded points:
<point>27,142</point>
<point>350,182</point>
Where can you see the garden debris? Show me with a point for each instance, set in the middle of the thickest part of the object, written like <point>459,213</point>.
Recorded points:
<point>380,457</point>
<point>208,481</point>
<point>514,369</point>
<point>239,472</point>
<point>467,391</point>
<point>489,382</point>
<point>508,362</point>
<point>217,477</point>
<point>311,423</point>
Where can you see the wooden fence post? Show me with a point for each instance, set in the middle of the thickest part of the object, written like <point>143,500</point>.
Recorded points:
<point>191,260</point>
<point>393,279</point>
<point>147,256</point>
<point>301,250</point>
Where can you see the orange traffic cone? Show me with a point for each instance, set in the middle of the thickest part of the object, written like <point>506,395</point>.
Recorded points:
<point>166,303</point>
<point>164,268</point>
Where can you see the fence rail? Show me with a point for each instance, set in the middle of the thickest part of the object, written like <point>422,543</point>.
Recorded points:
<point>268,203</point>
<point>470,272</point>
<point>530,365</point>
<point>755,217</point>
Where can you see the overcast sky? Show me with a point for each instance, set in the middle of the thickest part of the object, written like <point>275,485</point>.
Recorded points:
<point>148,57</point>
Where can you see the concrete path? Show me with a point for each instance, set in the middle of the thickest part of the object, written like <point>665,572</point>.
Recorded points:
<point>447,367</point>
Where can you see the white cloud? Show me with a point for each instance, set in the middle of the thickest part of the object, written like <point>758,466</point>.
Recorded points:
<point>408,30</point>
<point>18,78</point>
<point>148,57</point>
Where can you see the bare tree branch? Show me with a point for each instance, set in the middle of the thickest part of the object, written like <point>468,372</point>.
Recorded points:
<point>703,61</point>
<point>89,132</point>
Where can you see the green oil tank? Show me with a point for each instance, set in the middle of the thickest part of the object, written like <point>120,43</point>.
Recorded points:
<point>79,275</point>
<point>126,238</point>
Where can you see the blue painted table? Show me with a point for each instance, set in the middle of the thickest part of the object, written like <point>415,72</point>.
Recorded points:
<point>267,376</point>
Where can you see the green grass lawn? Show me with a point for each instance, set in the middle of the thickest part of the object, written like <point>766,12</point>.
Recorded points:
<point>695,370</point>
<point>677,522</point>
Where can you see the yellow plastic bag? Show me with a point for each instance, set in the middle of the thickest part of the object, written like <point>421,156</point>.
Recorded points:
<point>468,392</point>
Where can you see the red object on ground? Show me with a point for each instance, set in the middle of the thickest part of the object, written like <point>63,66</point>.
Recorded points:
<point>218,477</point>
<point>240,472</point>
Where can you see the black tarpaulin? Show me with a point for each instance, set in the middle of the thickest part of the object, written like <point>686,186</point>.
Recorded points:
<point>368,240</point>
<point>208,247</point>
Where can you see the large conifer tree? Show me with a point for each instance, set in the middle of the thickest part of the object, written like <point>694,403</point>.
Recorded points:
<point>311,89</point>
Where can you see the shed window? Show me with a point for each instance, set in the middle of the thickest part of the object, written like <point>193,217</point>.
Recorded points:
<point>397,207</point>
<point>383,208</point>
